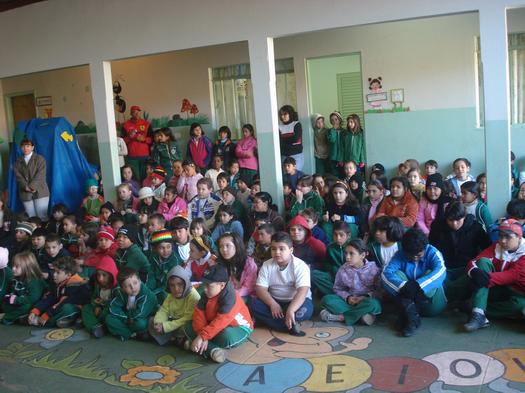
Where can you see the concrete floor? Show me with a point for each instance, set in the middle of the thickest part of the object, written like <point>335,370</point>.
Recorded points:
<point>331,358</point>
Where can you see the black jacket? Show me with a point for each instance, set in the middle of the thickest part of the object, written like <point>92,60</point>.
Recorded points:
<point>458,247</point>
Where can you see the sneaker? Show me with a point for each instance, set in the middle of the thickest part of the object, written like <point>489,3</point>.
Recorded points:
<point>187,345</point>
<point>98,332</point>
<point>476,321</point>
<point>66,322</point>
<point>329,317</point>
<point>296,331</point>
<point>410,329</point>
<point>218,355</point>
<point>368,319</point>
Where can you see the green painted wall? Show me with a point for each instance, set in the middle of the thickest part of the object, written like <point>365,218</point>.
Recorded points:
<point>322,81</point>
<point>443,135</point>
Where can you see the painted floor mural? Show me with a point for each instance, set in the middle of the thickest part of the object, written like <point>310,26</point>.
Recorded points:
<point>330,358</point>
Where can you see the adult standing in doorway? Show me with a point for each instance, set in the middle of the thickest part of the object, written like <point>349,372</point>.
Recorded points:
<point>30,173</point>
<point>137,135</point>
<point>291,135</point>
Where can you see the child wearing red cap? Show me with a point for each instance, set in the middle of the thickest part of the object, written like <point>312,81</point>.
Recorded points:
<point>137,135</point>
<point>106,247</point>
<point>498,274</point>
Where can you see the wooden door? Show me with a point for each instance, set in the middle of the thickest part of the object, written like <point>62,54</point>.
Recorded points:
<point>23,107</point>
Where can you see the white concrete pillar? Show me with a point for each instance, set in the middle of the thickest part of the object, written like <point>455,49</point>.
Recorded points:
<point>304,114</point>
<point>102,91</point>
<point>494,57</point>
<point>262,65</point>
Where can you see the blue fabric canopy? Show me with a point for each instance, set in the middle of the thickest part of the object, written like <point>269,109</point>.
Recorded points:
<point>67,168</point>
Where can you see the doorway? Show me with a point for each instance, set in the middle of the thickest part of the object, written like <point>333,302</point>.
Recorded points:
<point>335,83</point>
<point>19,106</point>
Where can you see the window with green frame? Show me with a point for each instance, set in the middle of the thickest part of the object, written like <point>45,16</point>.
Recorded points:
<point>516,79</point>
<point>233,93</point>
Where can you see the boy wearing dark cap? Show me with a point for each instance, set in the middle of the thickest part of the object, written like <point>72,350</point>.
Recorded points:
<point>162,260</point>
<point>22,242</point>
<point>498,274</point>
<point>157,182</point>
<point>221,320</point>
<point>129,253</point>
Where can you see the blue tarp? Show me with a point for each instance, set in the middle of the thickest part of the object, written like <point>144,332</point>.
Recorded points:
<point>67,168</point>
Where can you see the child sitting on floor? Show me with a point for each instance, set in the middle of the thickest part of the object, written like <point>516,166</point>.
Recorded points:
<point>187,185</point>
<point>92,202</point>
<point>357,289</point>
<point>387,233</point>
<point>305,197</point>
<point>158,185</point>
<point>474,205</point>
<point>104,284</point>
<point>176,310</point>
<point>129,254</point>
<point>54,251</point>
<point>70,235</point>
<point>262,251</point>
<point>200,258</point>
<point>172,205</point>
<point>213,172</point>
<point>227,223</point>
<point>127,204</point>
<point>23,289</point>
<point>181,239</point>
<point>204,204</point>
<point>131,307</point>
<point>162,260</point>
<point>283,289</point>
<point>62,304</point>
<point>221,319</point>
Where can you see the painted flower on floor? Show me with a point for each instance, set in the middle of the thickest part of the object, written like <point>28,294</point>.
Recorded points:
<point>50,338</point>
<point>149,375</point>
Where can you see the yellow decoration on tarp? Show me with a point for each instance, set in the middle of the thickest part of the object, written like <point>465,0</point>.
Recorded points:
<point>67,136</point>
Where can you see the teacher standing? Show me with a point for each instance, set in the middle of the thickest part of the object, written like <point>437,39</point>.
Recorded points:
<point>30,174</point>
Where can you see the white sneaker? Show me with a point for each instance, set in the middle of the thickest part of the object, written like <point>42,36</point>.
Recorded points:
<point>218,355</point>
<point>328,317</point>
<point>187,345</point>
<point>368,319</point>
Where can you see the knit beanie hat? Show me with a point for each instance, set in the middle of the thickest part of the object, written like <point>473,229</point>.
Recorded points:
<point>39,232</point>
<point>4,257</point>
<point>246,179</point>
<point>130,231</point>
<point>107,232</point>
<point>24,227</point>
<point>159,173</point>
<point>161,236</point>
<point>435,180</point>
<point>338,115</point>
<point>91,183</point>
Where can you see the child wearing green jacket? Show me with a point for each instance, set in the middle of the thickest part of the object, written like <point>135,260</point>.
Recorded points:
<point>323,280</point>
<point>104,289</point>
<point>5,271</point>
<point>176,310</point>
<point>131,307</point>
<point>162,260</point>
<point>305,196</point>
<point>335,141</point>
<point>470,197</point>
<point>129,253</point>
<point>24,288</point>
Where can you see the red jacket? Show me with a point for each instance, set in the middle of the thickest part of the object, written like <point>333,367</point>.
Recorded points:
<point>96,256</point>
<point>212,316</point>
<point>133,130</point>
<point>317,247</point>
<point>509,268</point>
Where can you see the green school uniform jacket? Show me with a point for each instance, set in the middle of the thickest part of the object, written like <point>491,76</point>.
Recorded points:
<point>335,257</point>
<point>159,268</point>
<point>134,258</point>
<point>310,199</point>
<point>354,147</point>
<point>145,304</point>
<point>335,144</point>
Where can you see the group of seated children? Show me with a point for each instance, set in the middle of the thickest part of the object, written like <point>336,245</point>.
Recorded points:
<point>198,264</point>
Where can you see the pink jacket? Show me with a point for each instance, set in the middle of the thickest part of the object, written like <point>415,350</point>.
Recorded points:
<point>425,215</point>
<point>187,186</point>
<point>178,208</point>
<point>246,286</point>
<point>245,153</point>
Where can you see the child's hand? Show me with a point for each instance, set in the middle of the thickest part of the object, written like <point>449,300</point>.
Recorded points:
<point>158,328</point>
<point>326,217</point>
<point>299,196</point>
<point>141,138</point>
<point>336,217</point>
<point>45,275</point>
<point>289,319</point>
<point>199,345</point>
<point>353,300</point>
<point>128,211</point>
<point>41,321</point>
<point>97,311</point>
<point>277,311</point>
